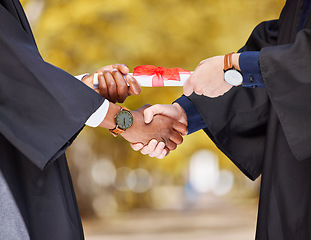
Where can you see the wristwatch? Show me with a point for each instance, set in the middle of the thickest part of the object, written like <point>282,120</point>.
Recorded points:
<point>124,120</point>
<point>232,76</point>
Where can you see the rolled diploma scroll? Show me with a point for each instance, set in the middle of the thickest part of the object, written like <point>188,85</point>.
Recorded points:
<point>146,81</point>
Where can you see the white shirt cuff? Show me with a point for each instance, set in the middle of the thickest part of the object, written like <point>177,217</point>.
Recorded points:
<point>99,115</point>
<point>79,77</point>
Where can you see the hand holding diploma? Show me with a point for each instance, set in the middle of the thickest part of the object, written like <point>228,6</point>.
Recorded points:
<point>109,81</point>
<point>208,77</point>
<point>151,76</point>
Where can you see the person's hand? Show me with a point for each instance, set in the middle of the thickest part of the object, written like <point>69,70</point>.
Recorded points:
<point>163,129</point>
<point>208,79</point>
<point>155,148</point>
<point>112,84</point>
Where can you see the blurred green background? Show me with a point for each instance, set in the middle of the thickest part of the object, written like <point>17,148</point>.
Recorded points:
<point>81,36</point>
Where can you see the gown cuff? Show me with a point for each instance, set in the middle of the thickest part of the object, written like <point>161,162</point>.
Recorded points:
<point>98,116</point>
<point>249,65</point>
<point>195,120</point>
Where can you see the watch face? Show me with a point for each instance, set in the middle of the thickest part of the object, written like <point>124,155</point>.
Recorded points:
<point>233,77</point>
<point>124,119</point>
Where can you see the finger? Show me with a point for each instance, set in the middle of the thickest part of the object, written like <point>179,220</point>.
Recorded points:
<point>121,67</point>
<point>150,147</point>
<point>134,87</point>
<point>163,154</point>
<point>198,92</point>
<point>199,89</point>
<point>158,150</point>
<point>176,138</point>
<point>122,87</point>
<point>88,80</point>
<point>167,151</point>
<point>137,146</point>
<point>170,144</point>
<point>180,127</point>
<point>150,112</point>
<point>188,87</point>
<point>102,85</point>
<point>111,86</point>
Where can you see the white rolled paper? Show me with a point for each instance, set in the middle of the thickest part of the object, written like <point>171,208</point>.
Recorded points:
<point>146,81</point>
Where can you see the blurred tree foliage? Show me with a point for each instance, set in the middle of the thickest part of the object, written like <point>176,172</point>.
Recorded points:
<point>83,35</point>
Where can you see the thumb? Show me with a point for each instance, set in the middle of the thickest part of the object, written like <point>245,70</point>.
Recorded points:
<point>187,88</point>
<point>134,87</point>
<point>149,113</point>
<point>161,109</point>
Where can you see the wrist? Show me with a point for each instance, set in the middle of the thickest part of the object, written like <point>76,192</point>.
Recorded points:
<point>134,125</point>
<point>235,61</point>
<point>109,121</point>
<point>232,73</point>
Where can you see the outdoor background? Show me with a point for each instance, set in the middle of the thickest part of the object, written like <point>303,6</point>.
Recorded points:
<point>195,192</point>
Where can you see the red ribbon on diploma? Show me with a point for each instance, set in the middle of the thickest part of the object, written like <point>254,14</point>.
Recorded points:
<point>160,74</point>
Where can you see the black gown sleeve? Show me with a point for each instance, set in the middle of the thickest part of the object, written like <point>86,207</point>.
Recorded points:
<point>42,108</point>
<point>286,72</point>
<point>236,123</point>
<point>264,35</point>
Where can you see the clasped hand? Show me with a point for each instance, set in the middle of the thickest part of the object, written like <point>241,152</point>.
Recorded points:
<point>207,80</point>
<point>156,148</point>
<point>163,130</point>
<point>158,136</point>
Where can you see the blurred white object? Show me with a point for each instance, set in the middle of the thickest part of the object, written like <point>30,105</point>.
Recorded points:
<point>205,175</point>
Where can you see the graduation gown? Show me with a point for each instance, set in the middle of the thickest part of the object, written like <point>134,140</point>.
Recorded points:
<point>267,131</point>
<point>42,109</point>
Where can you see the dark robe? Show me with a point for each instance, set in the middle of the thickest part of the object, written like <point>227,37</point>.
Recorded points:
<point>268,131</point>
<point>42,109</point>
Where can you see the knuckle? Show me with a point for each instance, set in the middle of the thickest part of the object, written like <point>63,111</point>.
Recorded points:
<point>115,72</point>
<point>107,72</point>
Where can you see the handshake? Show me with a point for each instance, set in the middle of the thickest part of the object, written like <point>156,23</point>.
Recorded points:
<point>154,130</point>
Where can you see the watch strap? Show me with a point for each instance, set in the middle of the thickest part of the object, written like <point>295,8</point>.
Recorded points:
<point>228,62</point>
<point>117,130</point>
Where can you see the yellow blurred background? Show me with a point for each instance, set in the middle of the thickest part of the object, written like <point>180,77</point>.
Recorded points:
<point>111,180</point>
